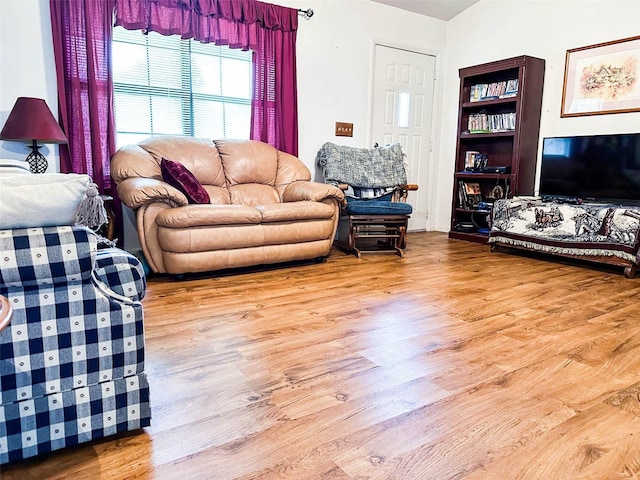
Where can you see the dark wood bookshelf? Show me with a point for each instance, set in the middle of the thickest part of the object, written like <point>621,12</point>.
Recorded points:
<point>466,135</point>
<point>469,237</point>
<point>482,176</point>
<point>482,103</point>
<point>516,149</point>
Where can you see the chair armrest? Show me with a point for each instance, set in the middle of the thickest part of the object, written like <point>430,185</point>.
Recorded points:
<point>402,191</point>
<point>46,256</point>
<point>135,192</point>
<point>121,273</point>
<point>311,191</point>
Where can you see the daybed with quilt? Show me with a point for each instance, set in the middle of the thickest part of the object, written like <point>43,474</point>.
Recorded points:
<point>591,231</point>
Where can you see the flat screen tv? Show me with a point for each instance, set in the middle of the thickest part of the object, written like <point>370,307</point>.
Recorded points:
<point>593,168</point>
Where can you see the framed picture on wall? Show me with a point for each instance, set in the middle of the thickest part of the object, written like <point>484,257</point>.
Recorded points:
<point>602,78</point>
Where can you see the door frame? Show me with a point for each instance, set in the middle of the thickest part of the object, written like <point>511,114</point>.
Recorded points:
<point>431,188</point>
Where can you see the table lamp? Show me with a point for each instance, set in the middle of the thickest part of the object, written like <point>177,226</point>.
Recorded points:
<point>31,121</point>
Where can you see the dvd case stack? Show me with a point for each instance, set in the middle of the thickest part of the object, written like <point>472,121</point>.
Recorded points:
<point>492,91</point>
<point>491,123</point>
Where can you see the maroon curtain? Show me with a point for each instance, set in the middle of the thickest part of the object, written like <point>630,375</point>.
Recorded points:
<point>268,30</point>
<point>274,110</point>
<point>82,32</point>
<point>82,47</point>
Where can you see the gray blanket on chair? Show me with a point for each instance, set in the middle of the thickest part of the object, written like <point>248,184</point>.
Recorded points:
<point>363,167</point>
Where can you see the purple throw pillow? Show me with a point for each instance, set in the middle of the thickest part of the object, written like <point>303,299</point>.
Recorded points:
<point>177,175</point>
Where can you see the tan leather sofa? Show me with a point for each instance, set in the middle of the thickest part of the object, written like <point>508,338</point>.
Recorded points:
<point>263,207</point>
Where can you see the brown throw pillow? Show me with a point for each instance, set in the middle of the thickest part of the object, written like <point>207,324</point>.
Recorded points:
<point>178,176</point>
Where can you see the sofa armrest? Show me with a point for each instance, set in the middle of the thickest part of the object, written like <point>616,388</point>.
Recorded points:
<point>311,191</point>
<point>121,273</point>
<point>135,192</point>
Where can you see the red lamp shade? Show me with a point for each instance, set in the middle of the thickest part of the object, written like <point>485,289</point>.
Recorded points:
<point>29,120</point>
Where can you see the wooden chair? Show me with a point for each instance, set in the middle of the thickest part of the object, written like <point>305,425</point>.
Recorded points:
<point>375,215</point>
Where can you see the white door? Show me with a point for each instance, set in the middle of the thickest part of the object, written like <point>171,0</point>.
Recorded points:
<point>402,112</point>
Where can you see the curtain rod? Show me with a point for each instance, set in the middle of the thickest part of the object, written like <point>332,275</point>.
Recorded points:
<point>307,13</point>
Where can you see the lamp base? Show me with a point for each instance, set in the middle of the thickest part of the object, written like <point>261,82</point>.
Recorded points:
<point>37,162</point>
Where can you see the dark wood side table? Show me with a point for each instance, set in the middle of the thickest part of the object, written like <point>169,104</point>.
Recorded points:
<point>108,230</point>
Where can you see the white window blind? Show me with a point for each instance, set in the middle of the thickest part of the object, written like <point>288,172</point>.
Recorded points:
<point>166,86</point>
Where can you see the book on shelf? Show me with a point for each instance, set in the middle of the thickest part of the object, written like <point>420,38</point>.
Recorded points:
<point>491,123</point>
<point>491,91</point>
<point>462,195</point>
<point>478,123</point>
<point>472,188</point>
<point>511,89</point>
<point>474,194</point>
<point>479,162</point>
<point>470,160</point>
<point>474,93</point>
<point>469,194</point>
<point>478,92</point>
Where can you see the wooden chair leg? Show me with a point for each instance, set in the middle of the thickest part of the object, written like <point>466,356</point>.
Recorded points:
<point>390,233</point>
<point>351,241</point>
<point>402,239</point>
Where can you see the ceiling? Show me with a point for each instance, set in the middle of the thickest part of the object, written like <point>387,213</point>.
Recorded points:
<point>442,9</point>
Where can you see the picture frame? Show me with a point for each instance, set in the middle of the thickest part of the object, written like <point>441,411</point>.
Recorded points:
<point>602,79</point>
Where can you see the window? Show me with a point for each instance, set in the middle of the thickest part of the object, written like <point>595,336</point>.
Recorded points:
<point>165,86</point>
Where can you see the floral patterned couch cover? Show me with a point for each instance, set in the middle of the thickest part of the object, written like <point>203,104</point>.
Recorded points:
<point>601,232</point>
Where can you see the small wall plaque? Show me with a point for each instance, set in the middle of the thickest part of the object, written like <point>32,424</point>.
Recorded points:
<point>344,129</point>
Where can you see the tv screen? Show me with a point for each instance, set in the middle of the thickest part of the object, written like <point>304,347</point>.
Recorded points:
<point>594,168</point>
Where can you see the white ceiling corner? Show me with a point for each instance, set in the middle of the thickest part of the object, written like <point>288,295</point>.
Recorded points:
<point>441,9</point>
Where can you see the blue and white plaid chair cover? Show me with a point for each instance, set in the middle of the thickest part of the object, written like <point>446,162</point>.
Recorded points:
<point>72,359</point>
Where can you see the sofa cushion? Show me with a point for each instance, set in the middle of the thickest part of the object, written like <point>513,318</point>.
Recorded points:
<point>378,207</point>
<point>248,161</point>
<point>178,176</point>
<point>218,195</point>
<point>198,243</point>
<point>291,169</point>
<point>253,194</point>
<point>199,155</point>
<point>207,215</point>
<point>295,211</point>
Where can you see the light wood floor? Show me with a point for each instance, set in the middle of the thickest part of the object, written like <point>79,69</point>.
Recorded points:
<point>450,363</point>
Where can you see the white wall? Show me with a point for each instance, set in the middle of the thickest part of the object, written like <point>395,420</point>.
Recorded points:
<point>335,60</point>
<point>334,48</point>
<point>335,53</point>
<point>491,30</point>
<point>27,67</point>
